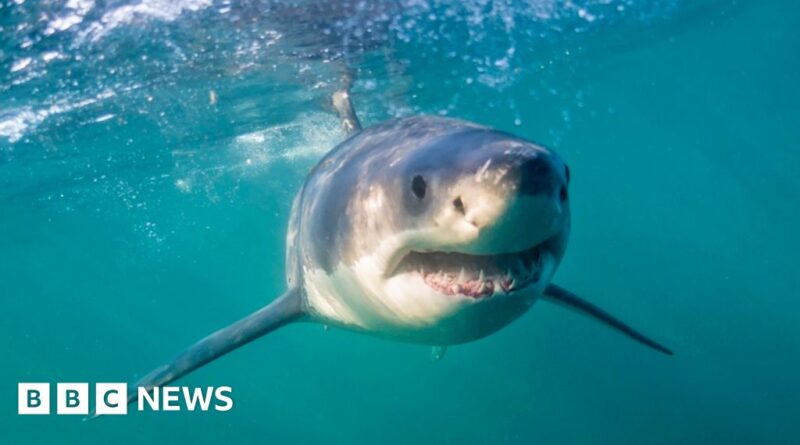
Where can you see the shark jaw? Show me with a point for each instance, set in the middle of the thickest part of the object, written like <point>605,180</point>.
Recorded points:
<point>462,276</point>
<point>474,276</point>
<point>425,286</point>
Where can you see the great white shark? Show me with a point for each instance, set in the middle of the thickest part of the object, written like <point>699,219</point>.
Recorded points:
<point>423,229</point>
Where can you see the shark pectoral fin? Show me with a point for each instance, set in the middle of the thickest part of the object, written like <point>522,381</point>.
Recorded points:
<point>437,353</point>
<point>283,310</point>
<point>561,296</point>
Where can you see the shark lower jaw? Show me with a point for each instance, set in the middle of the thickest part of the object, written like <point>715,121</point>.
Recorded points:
<point>476,277</point>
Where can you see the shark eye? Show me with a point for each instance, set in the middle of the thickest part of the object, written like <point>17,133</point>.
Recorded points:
<point>459,205</point>
<point>419,187</point>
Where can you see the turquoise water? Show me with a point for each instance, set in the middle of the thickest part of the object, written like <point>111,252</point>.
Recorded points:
<point>149,153</point>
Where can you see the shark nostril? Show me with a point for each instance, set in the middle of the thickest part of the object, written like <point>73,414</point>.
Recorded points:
<point>563,194</point>
<point>459,205</point>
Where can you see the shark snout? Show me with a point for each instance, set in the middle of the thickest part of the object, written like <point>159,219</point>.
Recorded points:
<point>542,175</point>
<point>513,200</point>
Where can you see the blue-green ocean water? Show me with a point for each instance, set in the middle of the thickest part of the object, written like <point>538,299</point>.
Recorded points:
<point>149,152</point>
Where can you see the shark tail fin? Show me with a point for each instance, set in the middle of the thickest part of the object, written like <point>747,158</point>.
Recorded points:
<point>283,310</point>
<point>563,297</point>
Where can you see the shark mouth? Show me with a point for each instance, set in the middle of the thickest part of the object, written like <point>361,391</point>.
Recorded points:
<point>475,276</point>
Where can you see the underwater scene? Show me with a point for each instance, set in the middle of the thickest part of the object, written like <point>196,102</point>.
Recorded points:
<point>467,222</point>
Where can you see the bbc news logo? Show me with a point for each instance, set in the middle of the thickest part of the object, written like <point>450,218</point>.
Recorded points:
<point>112,398</point>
